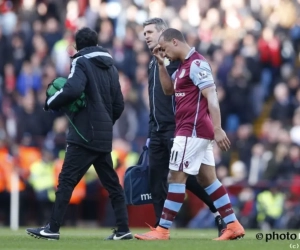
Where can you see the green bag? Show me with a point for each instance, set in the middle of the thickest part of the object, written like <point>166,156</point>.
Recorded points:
<point>57,85</point>
<point>75,106</point>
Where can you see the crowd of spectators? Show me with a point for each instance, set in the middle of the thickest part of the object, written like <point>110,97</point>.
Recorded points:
<point>253,47</point>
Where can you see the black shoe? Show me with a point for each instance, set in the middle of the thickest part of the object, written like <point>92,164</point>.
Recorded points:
<point>120,235</point>
<point>43,233</point>
<point>220,225</point>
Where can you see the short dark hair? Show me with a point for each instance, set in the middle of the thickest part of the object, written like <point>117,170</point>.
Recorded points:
<point>85,37</point>
<point>170,34</point>
<point>159,23</point>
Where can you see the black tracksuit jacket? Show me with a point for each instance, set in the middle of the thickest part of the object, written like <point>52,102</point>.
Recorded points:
<point>93,73</point>
<point>162,107</point>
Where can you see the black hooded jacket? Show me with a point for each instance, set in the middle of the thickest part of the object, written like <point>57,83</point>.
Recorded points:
<point>93,73</point>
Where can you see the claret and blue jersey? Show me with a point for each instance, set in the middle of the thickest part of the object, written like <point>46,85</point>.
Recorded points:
<point>192,115</point>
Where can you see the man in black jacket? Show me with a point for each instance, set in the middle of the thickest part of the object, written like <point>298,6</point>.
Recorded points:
<point>161,130</point>
<point>89,140</point>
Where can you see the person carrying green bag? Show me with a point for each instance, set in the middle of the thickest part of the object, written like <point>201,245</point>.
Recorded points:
<point>91,98</point>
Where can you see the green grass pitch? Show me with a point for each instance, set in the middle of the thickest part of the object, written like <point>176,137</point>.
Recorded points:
<point>181,239</point>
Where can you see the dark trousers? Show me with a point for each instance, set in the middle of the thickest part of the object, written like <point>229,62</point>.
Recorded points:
<point>159,154</point>
<point>77,162</point>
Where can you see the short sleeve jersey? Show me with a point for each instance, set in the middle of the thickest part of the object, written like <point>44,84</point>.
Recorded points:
<point>192,114</point>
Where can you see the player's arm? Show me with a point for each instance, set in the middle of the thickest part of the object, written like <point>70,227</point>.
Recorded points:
<point>164,77</point>
<point>210,94</point>
<point>166,80</point>
<point>201,75</point>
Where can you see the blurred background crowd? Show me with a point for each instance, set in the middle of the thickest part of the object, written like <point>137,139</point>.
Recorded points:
<point>253,47</point>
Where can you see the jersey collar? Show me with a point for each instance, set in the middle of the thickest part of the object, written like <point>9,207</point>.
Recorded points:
<point>190,53</point>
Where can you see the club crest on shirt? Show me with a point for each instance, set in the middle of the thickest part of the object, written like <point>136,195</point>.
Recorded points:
<point>197,62</point>
<point>186,164</point>
<point>182,73</point>
<point>166,61</point>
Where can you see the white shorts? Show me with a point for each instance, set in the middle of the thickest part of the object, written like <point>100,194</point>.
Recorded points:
<point>188,153</point>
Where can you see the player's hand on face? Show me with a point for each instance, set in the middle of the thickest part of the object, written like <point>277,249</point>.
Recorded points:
<point>222,140</point>
<point>158,54</point>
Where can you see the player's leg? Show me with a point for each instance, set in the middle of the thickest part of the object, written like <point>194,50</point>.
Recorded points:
<point>172,205</point>
<point>214,188</point>
<point>110,180</point>
<point>76,163</point>
<point>183,153</point>
<point>159,168</point>
<point>175,198</point>
<point>193,185</point>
